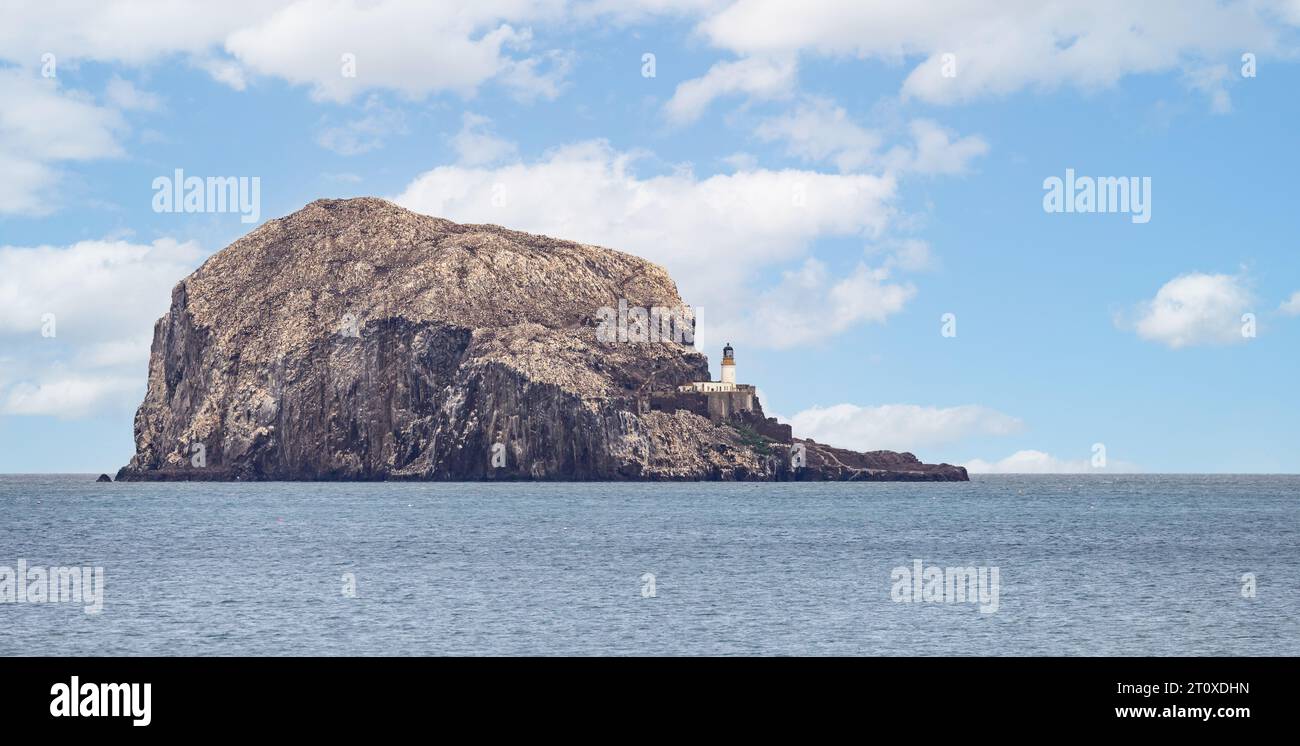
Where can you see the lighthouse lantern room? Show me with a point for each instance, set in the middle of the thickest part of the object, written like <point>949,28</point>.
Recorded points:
<point>728,364</point>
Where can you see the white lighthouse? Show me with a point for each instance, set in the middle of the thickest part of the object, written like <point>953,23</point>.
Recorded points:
<point>728,382</point>
<point>728,365</point>
<point>725,398</point>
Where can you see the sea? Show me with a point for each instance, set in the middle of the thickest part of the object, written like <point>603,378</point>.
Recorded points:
<point>1060,565</point>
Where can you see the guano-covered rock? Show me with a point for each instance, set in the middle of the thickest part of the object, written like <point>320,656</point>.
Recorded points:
<point>356,340</point>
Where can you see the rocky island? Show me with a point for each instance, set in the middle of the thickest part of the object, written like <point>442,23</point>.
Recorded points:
<point>356,340</point>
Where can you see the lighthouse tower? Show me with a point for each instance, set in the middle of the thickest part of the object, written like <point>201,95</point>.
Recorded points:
<point>728,365</point>
<point>721,399</point>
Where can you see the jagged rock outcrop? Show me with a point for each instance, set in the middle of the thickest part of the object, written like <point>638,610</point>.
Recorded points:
<point>838,464</point>
<point>356,340</point>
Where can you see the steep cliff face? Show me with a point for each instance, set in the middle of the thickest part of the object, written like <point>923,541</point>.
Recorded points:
<point>354,339</point>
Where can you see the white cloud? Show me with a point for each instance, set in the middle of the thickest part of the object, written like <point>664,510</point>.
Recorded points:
<point>756,77</point>
<point>127,32</point>
<point>1195,309</point>
<point>1291,306</point>
<point>418,47</point>
<point>130,350</point>
<point>1211,80</point>
<point>632,11</point>
<point>1038,462</point>
<point>907,254</point>
<point>1289,10</point>
<point>715,235</point>
<point>935,150</point>
<point>541,76</point>
<point>1002,48</point>
<point>84,284</point>
<point>899,426</point>
<point>97,358</point>
<point>476,146</point>
<point>124,95</point>
<point>28,186</point>
<point>72,398</point>
<point>366,133</point>
<point>819,131</point>
<point>741,161</point>
<point>42,120</point>
<point>41,126</point>
<point>410,46</point>
<point>225,71</point>
<point>809,305</point>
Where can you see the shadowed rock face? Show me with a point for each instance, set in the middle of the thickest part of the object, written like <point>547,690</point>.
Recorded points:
<point>355,340</point>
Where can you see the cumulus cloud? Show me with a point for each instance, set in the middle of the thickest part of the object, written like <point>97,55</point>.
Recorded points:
<point>84,284</point>
<point>716,235</point>
<point>124,95</point>
<point>418,47</point>
<point>937,151</point>
<point>1211,80</point>
<point>1291,306</point>
<point>1001,48</point>
<point>756,77</point>
<point>42,126</point>
<point>632,11</point>
<point>1039,462</point>
<point>403,45</point>
<point>809,305</point>
<point>907,254</point>
<point>819,131</point>
<point>122,32</point>
<point>540,76</point>
<point>410,46</point>
<point>29,186</point>
<point>97,355</point>
<point>741,161</point>
<point>223,70</point>
<point>72,397</point>
<point>476,145</point>
<point>365,133</point>
<point>1195,309</point>
<point>899,426</point>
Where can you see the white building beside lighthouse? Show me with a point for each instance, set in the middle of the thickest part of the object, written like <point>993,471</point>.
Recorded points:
<point>720,401</point>
<point>728,382</point>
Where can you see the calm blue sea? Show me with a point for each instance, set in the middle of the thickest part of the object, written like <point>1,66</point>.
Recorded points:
<point>1087,565</point>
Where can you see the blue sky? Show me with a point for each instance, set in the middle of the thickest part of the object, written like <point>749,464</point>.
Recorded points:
<point>812,178</point>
